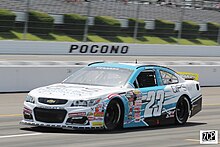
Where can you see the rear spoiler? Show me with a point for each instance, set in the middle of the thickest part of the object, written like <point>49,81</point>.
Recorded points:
<point>189,75</point>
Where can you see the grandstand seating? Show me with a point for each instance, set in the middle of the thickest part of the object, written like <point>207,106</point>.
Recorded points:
<point>117,9</point>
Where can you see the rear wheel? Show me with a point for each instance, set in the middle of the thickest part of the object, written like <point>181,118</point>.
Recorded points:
<point>113,116</point>
<point>182,110</point>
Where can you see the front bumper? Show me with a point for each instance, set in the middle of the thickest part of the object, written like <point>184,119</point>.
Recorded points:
<point>68,127</point>
<point>64,117</point>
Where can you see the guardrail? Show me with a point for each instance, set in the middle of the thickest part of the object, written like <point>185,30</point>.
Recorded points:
<point>24,76</point>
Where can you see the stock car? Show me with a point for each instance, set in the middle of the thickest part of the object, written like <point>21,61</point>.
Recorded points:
<point>112,96</point>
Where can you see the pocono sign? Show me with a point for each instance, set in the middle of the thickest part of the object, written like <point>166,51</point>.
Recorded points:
<point>99,49</point>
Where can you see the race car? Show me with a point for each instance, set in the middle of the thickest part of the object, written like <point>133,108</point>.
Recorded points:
<point>112,96</point>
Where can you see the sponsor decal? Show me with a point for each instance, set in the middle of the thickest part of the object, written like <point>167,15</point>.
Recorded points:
<point>51,101</point>
<point>175,89</point>
<point>144,98</point>
<point>90,116</point>
<point>99,114</point>
<point>130,104</point>
<point>208,137</point>
<point>189,75</point>
<point>49,107</point>
<point>138,103</point>
<point>133,96</point>
<point>134,103</point>
<point>77,114</point>
<point>178,88</point>
<point>138,109</point>
<point>170,114</point>
<point>97,124</point>
<point>137,115</point>
<point>130,96</point>
<point>108,68</point>
<point>130,115</point>
<point>131,100</point>
<point>99,108</point>
<point>130,109</point>
<point>99,48</point>
<point>137,92</point>
<point>97,118</point>
<point>27,110</point>
<point>113,95</point>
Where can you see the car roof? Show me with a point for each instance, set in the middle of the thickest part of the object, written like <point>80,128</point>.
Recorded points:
<point>114,64</point>
<point>131,66</point>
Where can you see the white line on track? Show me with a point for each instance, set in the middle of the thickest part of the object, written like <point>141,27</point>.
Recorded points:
<point>20,135</point>
<point>196,140</point>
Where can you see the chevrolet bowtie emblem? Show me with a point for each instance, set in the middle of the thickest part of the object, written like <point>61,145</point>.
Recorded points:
<point>51,101</point>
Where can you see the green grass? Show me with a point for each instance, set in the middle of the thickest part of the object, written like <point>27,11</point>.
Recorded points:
<point>29,36</point>
<point>64,37</point>
<point>127,39</point>
<point>155,40</point>
<point>57,36</point>
<point>95,38</point>
<point>208,42</point>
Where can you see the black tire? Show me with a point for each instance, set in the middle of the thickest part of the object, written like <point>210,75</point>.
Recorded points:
<point>113,116</point>
<point>182,111</point>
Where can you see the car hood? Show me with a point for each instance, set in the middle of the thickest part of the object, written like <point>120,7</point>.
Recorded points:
<point>74,91</point>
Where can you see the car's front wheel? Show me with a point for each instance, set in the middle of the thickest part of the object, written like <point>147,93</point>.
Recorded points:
<point>113,116</point>
<point>182,110</point>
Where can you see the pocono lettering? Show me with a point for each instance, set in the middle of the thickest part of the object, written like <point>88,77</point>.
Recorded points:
<point>103,49</point>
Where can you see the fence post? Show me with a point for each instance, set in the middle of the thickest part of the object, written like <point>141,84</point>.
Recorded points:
<point>181,22</point>
<point>26,20</point>
<point>218,39</point>
<point>87,21</point>
<point>136,22</point>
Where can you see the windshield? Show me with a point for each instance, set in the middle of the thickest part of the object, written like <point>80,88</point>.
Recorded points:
<point>100,76</point>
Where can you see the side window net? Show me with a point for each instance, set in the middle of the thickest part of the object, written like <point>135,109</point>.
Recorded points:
<point>145,79</point>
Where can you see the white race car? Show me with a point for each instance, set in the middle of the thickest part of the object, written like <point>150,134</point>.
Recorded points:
<point>114,95</point>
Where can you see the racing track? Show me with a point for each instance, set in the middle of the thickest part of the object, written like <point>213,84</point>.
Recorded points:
<point>14,135</point>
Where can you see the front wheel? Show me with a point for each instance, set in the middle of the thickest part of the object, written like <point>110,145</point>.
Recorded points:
<point>113,116</point>
<point>182,110</point>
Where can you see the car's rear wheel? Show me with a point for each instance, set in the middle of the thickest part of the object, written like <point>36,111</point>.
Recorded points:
<point>182,110</point>
<point>113,116</point>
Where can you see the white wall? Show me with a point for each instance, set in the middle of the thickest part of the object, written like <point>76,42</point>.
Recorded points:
<point>107,49</point>
<point>208,74</point>
<point>16,78</point>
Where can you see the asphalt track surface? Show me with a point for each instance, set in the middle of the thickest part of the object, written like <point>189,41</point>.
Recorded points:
<point>14,135</point>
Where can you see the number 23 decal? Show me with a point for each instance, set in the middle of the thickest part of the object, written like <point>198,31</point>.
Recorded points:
<point>154,103</point>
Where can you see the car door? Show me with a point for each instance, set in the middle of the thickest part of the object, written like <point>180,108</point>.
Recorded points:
<point>152,92</point>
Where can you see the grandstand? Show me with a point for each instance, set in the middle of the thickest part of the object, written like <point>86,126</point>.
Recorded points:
<point>196,10</point>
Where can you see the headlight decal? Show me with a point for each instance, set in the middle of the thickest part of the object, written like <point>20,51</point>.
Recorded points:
<point>27,110</point>
<point>30,99</point>
<point>77,114</point>
<point>85,103</point>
